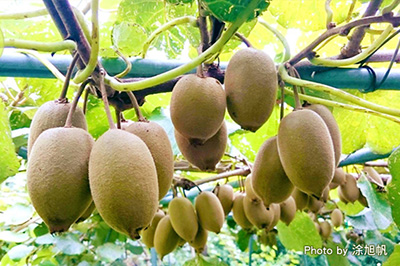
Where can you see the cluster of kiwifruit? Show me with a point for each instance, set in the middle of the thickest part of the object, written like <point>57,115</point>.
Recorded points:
<point>123,174</point>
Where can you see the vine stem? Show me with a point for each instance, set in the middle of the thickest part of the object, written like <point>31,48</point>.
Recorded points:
<point>68,122</point>
<point>47,64</point>
<point>355,59</point>
<point>23,15</point>
<point>165,27</point>
<point>94,52</point>
<point>105,100</point>
<point>68,77</point>
<point>136,107</point>
<point>166,76</point>
<point>41,46</point>
<point>336,92</point>
<point>82,22</point>
<point>280,37</point>
<point>390,7</point>
<point>329,14</point>
<point>127,62</point>
<point>241,172</point>
<point>343,105</point>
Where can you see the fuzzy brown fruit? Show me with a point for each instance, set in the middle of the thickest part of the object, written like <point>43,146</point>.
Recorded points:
<point>57,175</point>
<point>165,238</point>
<point>251,85</point>
<point>238,212</point>
<point>160,148</point>
<point>336,217</point>
<point>300,198</point>
<point>87,213</point>
<point>209,211</point>
<point>206,155</point>
<point>183,218</point>
<point>326,229</point>
<point>225,196</point>
<point>197,107</point>
<point>53,114</point>
<point>288,210</point>
<point>257,213</point>
<point>339,176</point>
<point>148,233</point>
<point>349,189</point>
<point>200,240</point>
<point>123,181</point>
<point>306,151</point>
<point>269,180</point>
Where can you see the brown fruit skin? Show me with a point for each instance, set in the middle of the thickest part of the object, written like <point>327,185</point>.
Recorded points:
<point>373,176</point>
<point>183,218</point>
<point>306,151</point>
<point>314,205</point>
<point>87,213</point>
<point>225,196</point>
<point>363,200</point>
<point>160,148</point>
<point>53,114</point>
<point>257,213</point>
<point>337,217</point>
<point>207,155</point>
<point>326,229</point>
<point>165,238</point>
<point>333,128</point>
<point>57,176</point>
<point>333,185</point>
<point>288,210</point>
<point>123,181</point>
<point>209,211</point>
<point>251,85</point>
<point>269,180</point>
<point>148,234</point>
<point>200,240</point>
<point>250,194</point>
<point>238,212</point>
<point>197,107</point>
<point>276,208</point>
<point>341,197</point>
<point>349,189</point>
<point>300,198</point>
<point>339,177</point>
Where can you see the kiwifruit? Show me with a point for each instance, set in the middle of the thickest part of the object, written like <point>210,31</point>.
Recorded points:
<point>197,107</point>
<point>238,212</point>
<point>349,189</point>
<point>160,148</point>
<point>326,229</point>
<point>257,213</point>
<point>181,242</point>
<point>57,175</point>
<point>183,218</point>
<point>148,233</point>
<point>251,85</point>
<point>269,180</point>
<point>306,151</point>
<point>123,181</point>
<point>336,217</point>
<point>333,185</point>
<point>165,238</point>
<point>317,227</point>
<point>363,200</point>
<point>314,205</point>
<point>250,194</point>
<point>205,156</point>
<point>225,196</point>
<point>333,128</point>
<point>200,240</point>
<point>209,211</point>
<point>87,213</point>
<point>276,208</point>
<point>373,176</point>
<point>53,114</point>
<point>339,176</point>
<point>340,195</point>
<point>268,238</point>
<point>325,194</point>
<point>288,210</point>
<point>300,198</point>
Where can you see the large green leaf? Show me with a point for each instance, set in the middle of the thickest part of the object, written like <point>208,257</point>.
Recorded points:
<point>376,239</point>
<point>110,252</point>
<point>9,162</point>
<point>20,251</point>
<point>301,232</point>
<point>335,258</point>
<point>200,260</point>
<point>69,245</point>
<point>394,186</point>
<point>394,259</point>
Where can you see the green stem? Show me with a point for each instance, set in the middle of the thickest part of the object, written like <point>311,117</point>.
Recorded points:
<point>47,64</point>
<point>127,62</point>
<point>166,76</point>
<point>41,46</point>
<point>280,37</point>
<point>325,102</point>
<point>355,59</point>
<point>82,22</point>
<point>105,99</point>
<point>165,27</point>
<point>351,9</point>
<point>336,92</point>
<point>390,7</point>
<point>23,15</point>
<point>329,13</point>
<point>94,52</point>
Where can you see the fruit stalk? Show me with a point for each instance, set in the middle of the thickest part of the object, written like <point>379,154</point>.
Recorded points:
<point>68,122</point>
<point>105,99</point>
<point>135,104</point>
<point>68,77</point>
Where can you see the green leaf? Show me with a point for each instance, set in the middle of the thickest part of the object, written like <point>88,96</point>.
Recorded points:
<point>243,238</point>
<point>9,162</point>
<point>110,252</point>
<point>381,211</point>
<point>69,245</point>
<point>375,238</point>
<point>137,250</point>
<point>394,186</point>
<point>394,259</point>
<point>363,221</point>
<point>19,252</point>
<point>229,10</point>
<point>41,230</point>
<point>128,38</point>
<point>201,260</point>
<point>301,232</point>
<point>16,214</point>
<point>9,236</point>
<point>335,258</point>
